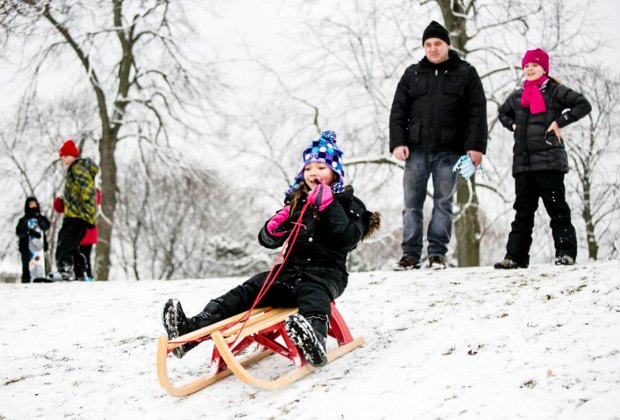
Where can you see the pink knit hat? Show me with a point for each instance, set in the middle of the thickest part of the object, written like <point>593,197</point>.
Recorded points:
<point>537,56</point>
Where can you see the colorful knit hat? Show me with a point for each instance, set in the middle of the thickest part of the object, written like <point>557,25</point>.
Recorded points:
<point>323,149</point>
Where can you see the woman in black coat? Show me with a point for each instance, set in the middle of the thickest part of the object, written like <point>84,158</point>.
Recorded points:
<point>536,114</point>
<point>314,273</point>
<point>39,225</point>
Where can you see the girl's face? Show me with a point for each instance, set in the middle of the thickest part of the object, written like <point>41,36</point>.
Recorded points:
<point>533,71</point>
<point>320,171</point>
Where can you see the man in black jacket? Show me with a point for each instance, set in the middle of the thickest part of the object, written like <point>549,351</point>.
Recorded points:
<point>438,114</point>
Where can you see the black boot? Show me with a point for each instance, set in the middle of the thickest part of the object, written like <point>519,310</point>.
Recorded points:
<point>309,335</point>
<point>508,264</point>
<point>209,315</point>
<point>177,324</point>
<point>64,273</point>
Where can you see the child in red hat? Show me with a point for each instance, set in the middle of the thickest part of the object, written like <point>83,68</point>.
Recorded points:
<point>536,114</point>
<point>79,202</point>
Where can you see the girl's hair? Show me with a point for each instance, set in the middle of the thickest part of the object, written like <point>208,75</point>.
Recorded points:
<point>298,194</point>
<point>302,190</point>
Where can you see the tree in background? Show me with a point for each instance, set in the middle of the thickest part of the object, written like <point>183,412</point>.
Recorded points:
<point>182,223</point>
<point>593,153</point>
<point>29,162</point>
<point>339,73</point>
<point>132,56</point>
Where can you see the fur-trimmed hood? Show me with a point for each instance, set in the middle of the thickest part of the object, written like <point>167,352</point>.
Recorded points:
<point>372,221</point>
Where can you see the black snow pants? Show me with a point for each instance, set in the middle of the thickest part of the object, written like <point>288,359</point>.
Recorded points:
<point>312,289</point>
<point>529,187</point>
<point>71,233</point>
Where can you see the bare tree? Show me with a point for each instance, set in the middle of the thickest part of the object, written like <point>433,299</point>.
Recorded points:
<point>29,162</point>
<point>180,221</point>
<point>592,152</point>
<point>141,82</point>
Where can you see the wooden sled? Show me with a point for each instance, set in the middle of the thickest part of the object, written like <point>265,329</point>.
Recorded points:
<point>230,337</point>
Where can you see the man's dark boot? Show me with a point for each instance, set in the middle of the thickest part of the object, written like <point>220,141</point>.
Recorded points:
<point>309,335</point>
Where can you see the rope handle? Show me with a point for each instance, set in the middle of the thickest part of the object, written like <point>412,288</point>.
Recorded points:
<point>292,237</point>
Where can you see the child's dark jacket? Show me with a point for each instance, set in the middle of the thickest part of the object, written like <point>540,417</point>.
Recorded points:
<point>22,231</point>
<point>325,241</point>
<point>535,149</point>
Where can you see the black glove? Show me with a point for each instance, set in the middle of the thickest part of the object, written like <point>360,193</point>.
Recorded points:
<point>34,233</point>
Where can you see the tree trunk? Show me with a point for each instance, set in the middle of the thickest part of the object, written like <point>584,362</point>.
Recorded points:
<point>109,187</point>
<point>587,217</point>
<point>467,225</point>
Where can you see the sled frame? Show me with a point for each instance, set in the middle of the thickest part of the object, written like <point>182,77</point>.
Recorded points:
<point>230,337</point>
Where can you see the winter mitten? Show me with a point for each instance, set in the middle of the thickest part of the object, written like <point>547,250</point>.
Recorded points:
<point>321,196</point>
<point>465,167</point>
<point>276,226</point>
<point>59,205</point>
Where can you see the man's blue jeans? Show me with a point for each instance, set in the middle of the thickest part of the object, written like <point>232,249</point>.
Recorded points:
<point>418,168</point>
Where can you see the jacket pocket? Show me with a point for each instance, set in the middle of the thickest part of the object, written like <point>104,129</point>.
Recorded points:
<point>418,87</point>
<point>449,136</point>
<point>453,87</point>
<point>415,135</point>
<point>551,141</point>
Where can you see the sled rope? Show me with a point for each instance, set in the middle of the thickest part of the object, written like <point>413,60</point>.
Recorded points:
<point>290,241</point>
<point>288,246</point>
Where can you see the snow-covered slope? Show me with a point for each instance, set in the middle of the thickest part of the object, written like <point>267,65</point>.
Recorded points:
<point>469,343</point>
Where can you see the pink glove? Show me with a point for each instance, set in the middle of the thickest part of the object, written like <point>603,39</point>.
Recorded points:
<point>321,196</point>
<point>274,223</point>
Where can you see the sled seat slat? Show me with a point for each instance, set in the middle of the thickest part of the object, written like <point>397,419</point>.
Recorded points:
<point>210,329</point>
<point>257,324</point>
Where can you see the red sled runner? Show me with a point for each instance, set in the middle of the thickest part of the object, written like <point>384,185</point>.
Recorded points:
<point>265,327</point>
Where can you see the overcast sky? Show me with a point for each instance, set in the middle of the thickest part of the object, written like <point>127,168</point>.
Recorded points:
<point>610,22</point>
<point>260,23</point>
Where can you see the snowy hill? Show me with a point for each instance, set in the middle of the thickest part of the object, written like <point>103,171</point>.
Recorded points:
<point>469,343</point>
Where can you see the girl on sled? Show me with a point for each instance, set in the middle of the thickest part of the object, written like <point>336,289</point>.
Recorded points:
<point>314,272</point>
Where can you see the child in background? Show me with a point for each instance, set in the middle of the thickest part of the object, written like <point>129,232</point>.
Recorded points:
<point>80,207</point>
<point>82,260</point>
<point>315,272</point>
<point>536,114</point>
<point>24,233</point>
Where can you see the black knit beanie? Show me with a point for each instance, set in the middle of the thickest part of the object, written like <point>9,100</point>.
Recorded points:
<point>435,30</point>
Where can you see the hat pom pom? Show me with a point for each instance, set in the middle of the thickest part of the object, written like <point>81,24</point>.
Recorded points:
<point>329,135</point>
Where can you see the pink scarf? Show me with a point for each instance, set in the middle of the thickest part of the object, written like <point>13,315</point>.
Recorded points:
<point>532,97</point>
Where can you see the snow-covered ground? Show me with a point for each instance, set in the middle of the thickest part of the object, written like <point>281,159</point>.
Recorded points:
<point>470,343</point>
